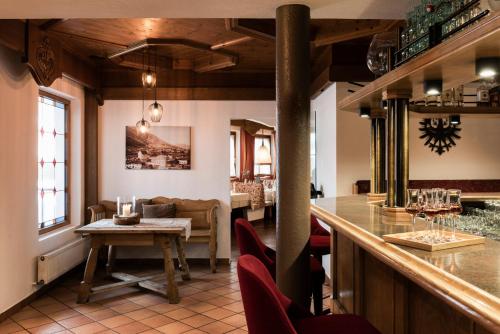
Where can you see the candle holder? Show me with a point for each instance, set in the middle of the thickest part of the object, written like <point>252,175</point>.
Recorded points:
<point>125,211</point>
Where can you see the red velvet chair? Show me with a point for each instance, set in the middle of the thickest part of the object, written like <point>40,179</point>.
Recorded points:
<point>319,240</point>
<point>268,311</point>
<point>250,243</point>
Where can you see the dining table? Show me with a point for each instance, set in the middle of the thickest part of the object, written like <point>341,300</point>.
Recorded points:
<point>163,232</point>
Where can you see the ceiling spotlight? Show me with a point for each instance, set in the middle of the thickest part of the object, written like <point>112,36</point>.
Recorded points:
<point>364,112</point>
<point>433,87</point>
<point>455,119</point>
<point>487,67</point>
<point>383,104</point>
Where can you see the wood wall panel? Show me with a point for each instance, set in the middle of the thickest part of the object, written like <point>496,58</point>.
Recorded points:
<point>379,286</point>
<point>429,315</point>
<point>345,272</point>
<point>91,151</point>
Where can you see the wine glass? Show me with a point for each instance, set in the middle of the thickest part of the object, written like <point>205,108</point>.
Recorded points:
<point>440,197</point>
<point>455,209</point>
<point>430,211</point>
<point>413,207</point>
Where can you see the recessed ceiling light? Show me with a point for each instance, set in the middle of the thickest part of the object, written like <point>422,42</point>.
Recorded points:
<point>433,87</point>
<point>487,67</point>
<point>364,112</point>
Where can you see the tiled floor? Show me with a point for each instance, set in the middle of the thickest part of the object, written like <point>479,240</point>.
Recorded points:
<point>210,303</point>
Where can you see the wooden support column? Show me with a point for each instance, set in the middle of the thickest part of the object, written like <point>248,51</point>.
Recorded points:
<point>398,116</point>
<point>377,157</point>
<point>91,151</point>
<point>293,172</point>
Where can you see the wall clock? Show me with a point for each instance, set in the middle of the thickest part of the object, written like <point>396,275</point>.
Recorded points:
<point>439,134</point>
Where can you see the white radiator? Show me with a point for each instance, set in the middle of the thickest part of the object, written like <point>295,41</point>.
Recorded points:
<point>59,261</point>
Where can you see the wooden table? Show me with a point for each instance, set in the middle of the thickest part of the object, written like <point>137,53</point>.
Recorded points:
<point>151,231</point>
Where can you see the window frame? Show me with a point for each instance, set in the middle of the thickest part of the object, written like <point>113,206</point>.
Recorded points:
<point>270,137</point>
<point>231,134</point>
<point>67,156</point>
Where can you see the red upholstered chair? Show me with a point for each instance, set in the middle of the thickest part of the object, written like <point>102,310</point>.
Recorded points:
<point>268,311</point>
<point>250,243</point>
<point>319,240</point>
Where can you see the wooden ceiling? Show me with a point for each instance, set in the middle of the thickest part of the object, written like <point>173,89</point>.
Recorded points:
<point>204,53</point>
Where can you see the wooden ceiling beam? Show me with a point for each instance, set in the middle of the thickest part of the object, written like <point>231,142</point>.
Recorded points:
<point>122,77</point>
<point>52,23</point>
<point>135,60</point>
<point>213,62</point>
<point>12,34</point>
<point>232,42</point>
<point>354,30</point>
<point>197,93</point>
<point>256,28</point>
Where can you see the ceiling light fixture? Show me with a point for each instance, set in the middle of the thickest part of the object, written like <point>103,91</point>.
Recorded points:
<point>155,109</point>
<point>433,87</point>
<point>148,76</point>
<point>455,119</point>
<point>487,67</point>
<point>364,112</point>
<point>142,125</point>
<point>263,155</point>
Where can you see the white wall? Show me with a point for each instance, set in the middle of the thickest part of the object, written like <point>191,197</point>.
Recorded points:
<point>475,156</point>
<point>20,243</point>
<point>209,174</point>
<point>326,140</point>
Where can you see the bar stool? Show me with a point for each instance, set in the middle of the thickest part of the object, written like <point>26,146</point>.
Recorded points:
<point>268,311</point>
<point>250,243</point>
<point>319,240</point>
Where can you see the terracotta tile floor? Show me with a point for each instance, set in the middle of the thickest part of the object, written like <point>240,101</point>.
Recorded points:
<point>210,303</point>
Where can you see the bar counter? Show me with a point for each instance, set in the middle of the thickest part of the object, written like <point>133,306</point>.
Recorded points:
<point>406,290</point>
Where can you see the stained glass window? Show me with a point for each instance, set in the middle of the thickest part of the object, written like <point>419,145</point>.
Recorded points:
<point>52,162</point>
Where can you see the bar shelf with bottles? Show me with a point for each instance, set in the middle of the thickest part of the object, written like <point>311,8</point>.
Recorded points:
<point>433,21</point>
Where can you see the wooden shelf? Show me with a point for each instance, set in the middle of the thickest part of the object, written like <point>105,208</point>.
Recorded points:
<point>453,61</point>
<point>433,110</point>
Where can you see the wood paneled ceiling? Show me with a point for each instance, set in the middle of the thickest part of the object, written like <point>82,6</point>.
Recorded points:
<point>201,53</point>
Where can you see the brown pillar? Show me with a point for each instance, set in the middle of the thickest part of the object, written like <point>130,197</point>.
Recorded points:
<point>380,157</point>
<point>377,155</point>
<point>91,166</point>
<point>398,116</point>
<point>293,172</point>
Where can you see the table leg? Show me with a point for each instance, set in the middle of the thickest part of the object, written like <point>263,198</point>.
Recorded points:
<point>86,284</point>
<point>172,290</point>
<point>182,258</point>
<point>111,259</point>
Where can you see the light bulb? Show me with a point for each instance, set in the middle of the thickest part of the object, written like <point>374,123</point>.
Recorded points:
<point>487,73</point>
<point>433,92</point>
<point>155,112</point>
<point>149,78</point>
<point>142,126</point>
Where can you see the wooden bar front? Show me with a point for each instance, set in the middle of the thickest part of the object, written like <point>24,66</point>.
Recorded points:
<point>400,290</point>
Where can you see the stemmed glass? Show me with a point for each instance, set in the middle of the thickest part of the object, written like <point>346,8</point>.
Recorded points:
<point>413,207</point>
<point>455,209</point>
<point>441,200</point>
<point>430,211</point>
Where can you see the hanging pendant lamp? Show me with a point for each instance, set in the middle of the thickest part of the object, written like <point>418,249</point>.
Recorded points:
<point>155,109</point>
<point>148,77</point>
<point>142,125</point>
<point>263,155</point>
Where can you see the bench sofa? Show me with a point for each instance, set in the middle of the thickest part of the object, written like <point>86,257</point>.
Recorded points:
<point>202,213</point>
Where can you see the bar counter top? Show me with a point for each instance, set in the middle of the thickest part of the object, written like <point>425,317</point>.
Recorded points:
<point>467,278</point>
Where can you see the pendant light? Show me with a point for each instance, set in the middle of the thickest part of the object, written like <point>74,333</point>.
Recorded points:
<point>155,109</point>
<point>142,125</point>
<point>148,77</point>
<point>263,155</point>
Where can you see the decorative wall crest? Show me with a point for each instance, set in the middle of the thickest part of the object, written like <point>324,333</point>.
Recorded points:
<point>439,134</point>
<point>43,56</point>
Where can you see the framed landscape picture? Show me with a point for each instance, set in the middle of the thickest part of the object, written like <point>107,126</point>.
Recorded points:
<point>162,147</point>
